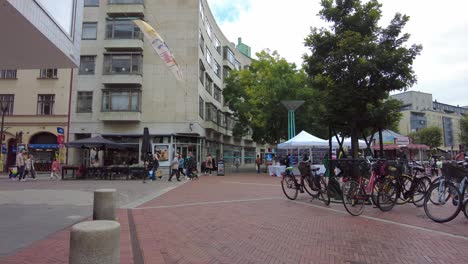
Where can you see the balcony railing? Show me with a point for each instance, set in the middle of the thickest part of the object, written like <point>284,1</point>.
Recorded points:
<point>125,29</point>
<point>123,64</point>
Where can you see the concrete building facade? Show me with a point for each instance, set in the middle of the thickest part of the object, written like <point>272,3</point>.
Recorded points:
<point>123,86</point>
<point>420,111</point>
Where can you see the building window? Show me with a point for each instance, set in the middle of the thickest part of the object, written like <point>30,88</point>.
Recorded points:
<point>217,68</point>
<point>229,55</point>
<point>48,74</point>
<point>211,113</point>
<point>208,28</point>
<point>7,74</point>
<point>217,93</point>
<point>89,30</point>
<point>123,64</point>
<point>10,100</point>
<point>45,104</point>
<point>91,2</point>
<point>118,100</point>
<point>201,104</point>
<point>209,58</point>
<point>126,1</point>
<point>122,29</point>
<point>87,64</point>
<point>84,103</point>
<point>201,40</point>
<point>208,84</point>
<point>202,71</point>
<point>202,11</point>
<point>217,45</point>
<point>221,119</point>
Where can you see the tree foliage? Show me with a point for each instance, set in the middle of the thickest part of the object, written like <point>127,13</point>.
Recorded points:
<point>430,136</point>
<point>254,94</point>
<point>464,130</point>
<point>355,64</point>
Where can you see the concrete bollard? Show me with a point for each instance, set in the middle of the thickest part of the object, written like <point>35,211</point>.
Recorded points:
<point>95,242</point>
<point>104,204</point>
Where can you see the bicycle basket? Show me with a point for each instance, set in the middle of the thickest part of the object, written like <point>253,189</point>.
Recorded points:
<point>452,171</point>
<point>304,168</point>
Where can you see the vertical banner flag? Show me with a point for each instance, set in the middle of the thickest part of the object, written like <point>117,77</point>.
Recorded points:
<point>160,47</point>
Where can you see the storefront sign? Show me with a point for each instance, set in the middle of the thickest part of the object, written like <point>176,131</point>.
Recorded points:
<point>164,154</point>
<point>402,140</point>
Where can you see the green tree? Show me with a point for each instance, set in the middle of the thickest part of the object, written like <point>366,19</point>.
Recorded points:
<point>254,94</point>
<point>355,64</point>
<point>464,130</point>
<point>430,136</point>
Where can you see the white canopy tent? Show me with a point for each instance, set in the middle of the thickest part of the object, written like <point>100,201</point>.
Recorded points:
<point>303,140</point>
<point>347,143</point>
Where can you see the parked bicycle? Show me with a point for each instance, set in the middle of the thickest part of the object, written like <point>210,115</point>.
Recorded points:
<point>311,183</point>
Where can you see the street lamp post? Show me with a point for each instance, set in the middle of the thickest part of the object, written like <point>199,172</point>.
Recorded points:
<point>4,108</point>
<point>292,105</point>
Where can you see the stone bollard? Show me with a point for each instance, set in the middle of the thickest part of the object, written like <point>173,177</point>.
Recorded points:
<point>95,242</point>
<point>104,204</point>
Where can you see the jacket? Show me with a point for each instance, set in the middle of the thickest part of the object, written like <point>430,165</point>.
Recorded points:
<point>19,160</point>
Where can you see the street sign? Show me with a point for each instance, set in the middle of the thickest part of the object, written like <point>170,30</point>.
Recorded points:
<point>60,139</point>
<point>60,130</point>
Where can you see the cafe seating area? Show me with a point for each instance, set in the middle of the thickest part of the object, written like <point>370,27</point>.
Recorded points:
<point>113,172</point>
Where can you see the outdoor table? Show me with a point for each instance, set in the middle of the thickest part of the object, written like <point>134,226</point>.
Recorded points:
<point>65,170</point>
<point>276,170</point>
<point>100,172</point>
<point>136,171</point>
<point>115,170</point>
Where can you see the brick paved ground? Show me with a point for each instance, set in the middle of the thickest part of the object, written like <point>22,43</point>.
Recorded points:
<point>245,218</point>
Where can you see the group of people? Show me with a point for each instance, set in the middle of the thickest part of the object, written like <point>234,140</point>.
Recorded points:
<point>25,165</point>
<point>186,166</point>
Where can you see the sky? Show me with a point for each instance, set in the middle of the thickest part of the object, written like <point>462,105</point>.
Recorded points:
<point>441,27</point>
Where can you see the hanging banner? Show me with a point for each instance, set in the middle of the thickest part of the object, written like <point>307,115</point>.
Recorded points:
<point>160,47</point>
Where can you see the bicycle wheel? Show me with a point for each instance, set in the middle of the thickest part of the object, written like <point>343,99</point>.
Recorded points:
<point>419,191</point>
<point>387,195</point>
<point>404,185</point>
<point>309,186</point>
<point>465,208</point>
<point>324,193</point>
<point>445,208</point>
<point>353,198</point>
<point>290,186</point>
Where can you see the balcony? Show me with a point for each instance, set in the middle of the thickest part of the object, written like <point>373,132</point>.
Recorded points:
<point>120,44</point>
<point>120,116</point>
<point>123,78</point>
<point>123,35</point>
<point>125,7</point>
<point>123,68</point>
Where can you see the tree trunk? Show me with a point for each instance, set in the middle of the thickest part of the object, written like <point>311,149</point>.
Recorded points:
<point>381,154</point>
<point>354,143</point>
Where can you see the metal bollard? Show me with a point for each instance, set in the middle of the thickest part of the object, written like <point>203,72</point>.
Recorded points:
<point>104,204</point>
<point>95,242</point>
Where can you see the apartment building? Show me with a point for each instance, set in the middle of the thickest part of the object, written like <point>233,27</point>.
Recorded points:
<point>123,86</point>
<point>420,111</point>
<point>34,105</point>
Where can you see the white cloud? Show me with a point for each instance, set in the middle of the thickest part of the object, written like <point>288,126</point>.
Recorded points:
<point>439,26</point>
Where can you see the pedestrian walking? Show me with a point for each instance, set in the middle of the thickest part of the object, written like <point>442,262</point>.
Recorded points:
<point>54,173</point>
<point>153,166</point>
<point>236,162</point>
<point>208,165</point>
<point>29,167</point>
<point>20,164</point>
<point>191,164</point>
<point>258,162</point>
<point>182,166</point>
<point>175,168</point>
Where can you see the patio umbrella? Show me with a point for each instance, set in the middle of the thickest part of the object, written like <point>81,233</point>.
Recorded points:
<point>94,142</point>
<point>146,146</point>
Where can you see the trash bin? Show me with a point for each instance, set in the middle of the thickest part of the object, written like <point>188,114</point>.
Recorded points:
<point>220,170</point>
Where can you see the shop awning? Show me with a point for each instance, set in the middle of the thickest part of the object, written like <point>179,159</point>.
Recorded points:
<point>43,146</point>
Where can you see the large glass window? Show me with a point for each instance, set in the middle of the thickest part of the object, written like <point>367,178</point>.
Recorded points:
<point>45,104</point>
<point>7,74</point>
<point>10,101</point>
<point>201,40</point>
<point>87,64</point>
<point>84,102</point>
<point>48,74</point>
<point>115,100</point>
<point>89,30</point>
<point>122,29</point>
<point>201,105</point>
<point>217,45</point>
<point>229,55</point>
<point>217,93</point>
<point>91,2</point>
<point>209,58</point>
<point>208,84</point>
<point>211,113</point>
<point>123,63</point>
<point>202,71</point>
<point>126,1</point>
<point>216,68</point>
<point>62,12</point>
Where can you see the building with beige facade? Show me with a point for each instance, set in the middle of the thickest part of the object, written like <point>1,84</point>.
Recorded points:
<point>36,104</point>
<point>122,85</point>
<point>420,111</point>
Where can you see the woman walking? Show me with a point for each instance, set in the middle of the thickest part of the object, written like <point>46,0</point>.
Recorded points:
<point>175,168</point>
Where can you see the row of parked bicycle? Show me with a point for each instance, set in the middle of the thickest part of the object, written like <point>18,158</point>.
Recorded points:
<point>384,184</point>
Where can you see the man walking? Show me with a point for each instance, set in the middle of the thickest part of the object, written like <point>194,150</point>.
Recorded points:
<point>191,165</point>
<point>20,164</point>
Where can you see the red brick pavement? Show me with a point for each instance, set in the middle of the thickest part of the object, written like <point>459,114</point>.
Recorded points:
<point>246,219</point>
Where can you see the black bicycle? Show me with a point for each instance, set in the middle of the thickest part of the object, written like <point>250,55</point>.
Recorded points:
<point>311,183</point>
